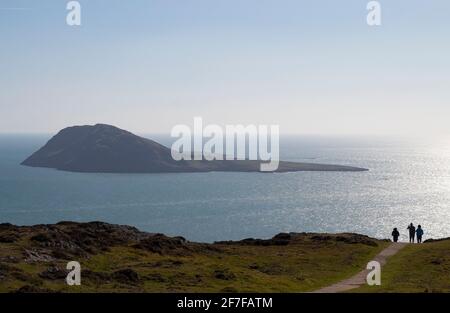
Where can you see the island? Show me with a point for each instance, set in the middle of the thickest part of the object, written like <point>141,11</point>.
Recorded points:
<point>104,148</point>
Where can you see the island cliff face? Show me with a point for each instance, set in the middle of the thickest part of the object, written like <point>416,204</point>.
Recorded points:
<point>107,149</point>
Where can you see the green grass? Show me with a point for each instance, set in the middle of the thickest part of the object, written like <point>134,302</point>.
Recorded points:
<point>298,267</point>
<point>416,268</point>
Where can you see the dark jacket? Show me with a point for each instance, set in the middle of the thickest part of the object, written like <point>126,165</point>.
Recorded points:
<point>412,230</point>
<point>419,232</point>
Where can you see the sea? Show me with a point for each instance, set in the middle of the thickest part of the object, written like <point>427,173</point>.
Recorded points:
<point>408,181</point>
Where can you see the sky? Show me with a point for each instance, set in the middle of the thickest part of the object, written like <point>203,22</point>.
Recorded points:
<point>311,67</point>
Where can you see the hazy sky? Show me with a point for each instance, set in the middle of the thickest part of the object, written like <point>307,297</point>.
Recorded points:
<point>146,65</point>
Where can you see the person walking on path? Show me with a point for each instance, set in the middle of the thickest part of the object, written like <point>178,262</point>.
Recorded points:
<point>412,232</point>
<point>419,233</point>
<point>395,234</point>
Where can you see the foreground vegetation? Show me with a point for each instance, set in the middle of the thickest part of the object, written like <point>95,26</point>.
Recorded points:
<point>416,268</point>
<point>122,259</point>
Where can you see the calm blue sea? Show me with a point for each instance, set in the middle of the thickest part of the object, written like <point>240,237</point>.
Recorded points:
<point>406,183</point>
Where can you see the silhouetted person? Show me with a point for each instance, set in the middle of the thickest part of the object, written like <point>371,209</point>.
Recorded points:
<point>412,232</point>
<point>419,233</point>
<point>395,234</point>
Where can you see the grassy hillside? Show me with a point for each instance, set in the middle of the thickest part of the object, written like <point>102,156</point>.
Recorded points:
<point>417,268</point>
<point>121,258</point>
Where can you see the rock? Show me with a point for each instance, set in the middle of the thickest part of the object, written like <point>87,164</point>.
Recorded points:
<point>9,233</point>
<point>37,256</point>
<point>53,273</point>
<point>8,227</point>
<point>42,238</point>
<point>162,244</point>
<point>356,238</point>
<point>253,266</point>
<point>436,240</point>
<point>349,238</point>
<point>322,238</point>
<point>437,261</point>
<point>281,239</point>
<point>282,236</point>
<point>224,274</point>
<point>126,276</point>
<point>8,237</point>
<point>67,240</point>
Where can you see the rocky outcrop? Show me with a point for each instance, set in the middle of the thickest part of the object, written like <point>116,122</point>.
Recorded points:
<point>283,239</point>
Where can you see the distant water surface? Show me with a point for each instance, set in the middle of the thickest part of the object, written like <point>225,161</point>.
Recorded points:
<point>406,182</point>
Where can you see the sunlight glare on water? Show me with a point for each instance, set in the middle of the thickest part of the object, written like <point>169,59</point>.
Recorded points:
<point>406,183</point>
